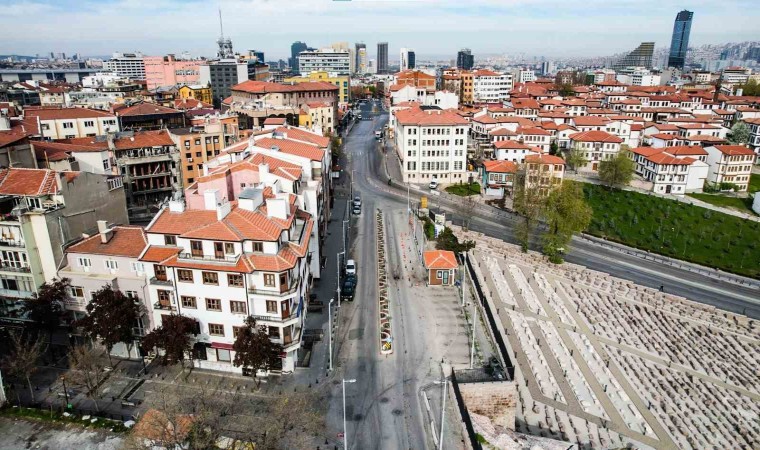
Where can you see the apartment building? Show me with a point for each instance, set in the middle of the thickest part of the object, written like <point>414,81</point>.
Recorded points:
<point>147,116</point>
<point>432,145</point>
<point>222,75</point>
<point>597,146</point>
<point>491,87</point>
<point>673,170</point>
<point>417,78</point>
<point>497,177</point>
<point>130,65</point>
<point>513,151</point>
<point>171,71</point>
<point>201,142</point>
<point>200,92</point>
<point>730,164</point>
<point>15,147</point>
<point>41,211</point>
<point>67,123</point>
<point>325,60</point>
<point>109,257</point>
<point>223,263</point>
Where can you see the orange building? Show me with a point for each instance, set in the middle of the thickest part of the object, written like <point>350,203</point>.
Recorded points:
<point>416,78</point>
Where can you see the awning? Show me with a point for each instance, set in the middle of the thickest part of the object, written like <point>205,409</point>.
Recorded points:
<point>221,345</point>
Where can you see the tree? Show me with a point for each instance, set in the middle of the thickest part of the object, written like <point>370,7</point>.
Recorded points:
<point>173,338</point>
<point>21,361</point>
<point>466,207</point>
<point>750,88</point>
<point>553,148</point>
<point>446,240</point>
<point>529,204</point>
<point>111,318</point>
<point>254,350</point>
<point>566,90</point>
<point>576,158</point>
<point>617,171</point>
<point>566,213</point>
<point>739,134</point>
<point>45,308</point>
<point>87,372</point>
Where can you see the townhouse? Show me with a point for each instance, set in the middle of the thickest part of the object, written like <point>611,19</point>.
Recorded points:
<point>730,164</point>
<point>673,170</point>
<point>225,262</point>
<point>41,211</point>
<point>497,177</point>
<point>432,145</point>
<point>596,145</point>
<point>67,123</point>
<point>544,172</point>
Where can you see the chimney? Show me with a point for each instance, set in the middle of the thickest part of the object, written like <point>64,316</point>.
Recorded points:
<point>176,206</point>
<point>211,199</point>
<point>277,208</point>
<point>263,169</point>
<point>105,233</point>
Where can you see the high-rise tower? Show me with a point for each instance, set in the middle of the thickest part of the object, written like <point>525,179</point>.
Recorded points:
<point>679,44</point>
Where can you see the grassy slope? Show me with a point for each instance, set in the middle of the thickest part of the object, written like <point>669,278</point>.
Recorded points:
<point>464,189</point>
<point>676,229</point>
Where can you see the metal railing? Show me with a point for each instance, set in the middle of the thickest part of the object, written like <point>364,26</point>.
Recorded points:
<point>14,268</point>
<point>223,259</point>
<point>156,281</point>
<point>12,243</point>
<point>273,291</point>
<point>164,307</point>
<point>277,319</point>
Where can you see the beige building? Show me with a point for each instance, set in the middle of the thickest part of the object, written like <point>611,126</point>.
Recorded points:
<point>68,123</point>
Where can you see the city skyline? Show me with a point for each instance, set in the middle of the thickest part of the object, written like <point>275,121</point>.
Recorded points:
<point>196,31</point>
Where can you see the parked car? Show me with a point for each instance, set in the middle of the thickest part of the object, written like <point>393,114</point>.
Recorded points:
<point>348,289</point>
<point>357,210</point>
<point>351,267</point>
<point>433,185</point>
<point>359,116</point>
<point>357,201</point>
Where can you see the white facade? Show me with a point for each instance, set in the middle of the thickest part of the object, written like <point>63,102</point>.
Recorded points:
<point>491,87</point>
<point>730,164</point>
<point>130,65</point>
<point>326,59</point>
<point>526,76</point>
<point>78,125</point>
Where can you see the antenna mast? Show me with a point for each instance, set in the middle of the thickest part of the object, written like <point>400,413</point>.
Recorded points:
<point>221,25</point>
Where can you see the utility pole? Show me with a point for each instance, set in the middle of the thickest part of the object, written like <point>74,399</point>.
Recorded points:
<point>338,264</point>
<point>472,344</point>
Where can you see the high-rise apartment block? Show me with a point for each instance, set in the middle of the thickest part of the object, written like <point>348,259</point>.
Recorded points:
<point>361,58</point>
<point>130,65</point>
<point>382,57</point>
<point>465,59</point>
<point>325,59</point>
<point>640,57</point>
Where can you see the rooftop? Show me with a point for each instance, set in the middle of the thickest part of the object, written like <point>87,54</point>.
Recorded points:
<point>127,241</point>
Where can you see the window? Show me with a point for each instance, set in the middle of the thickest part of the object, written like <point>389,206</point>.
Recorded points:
<point>210,278</point>
<point>216,329</point>
<point>196,248</point>
<point>237,307</point>
<point>234,280</point>
<point>84,262</point>
<point>131,294</point>
<point>170,240</point>
<point>229,248</point>
<point>274,332</point>
<point>272,307</point>
<point>223,355</point>
<point>137,267</point>
<point>236,331</point>
<point>185,275</point>
<point>188,302</point>
<point>164,297</point>
<point>198,142</point>
<point>160,272</point>
<point>89,123</point>
<point>258,246</point>
<point>106,164</point>
<point>111,264</point>
<point>9,284</point>
<point>269,279</point>
<point>76,291</point>
<point>213,304</point>
<point>68,125</point>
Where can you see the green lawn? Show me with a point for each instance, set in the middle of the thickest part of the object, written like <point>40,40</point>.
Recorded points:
<point>754,183</point>
<point>464,190</point>
<point>675,229</point>
<point>740,204</point>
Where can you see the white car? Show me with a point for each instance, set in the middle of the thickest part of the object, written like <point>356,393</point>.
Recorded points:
<point>350,267</point>
<point>357,202</point>
<point>433,185</point>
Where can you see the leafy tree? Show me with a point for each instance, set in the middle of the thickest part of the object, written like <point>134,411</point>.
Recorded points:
<point>446,240</point>
<point>21,361</point>
<point>553,148</point>
<point>617,171</point>
<point>45,308</point>
<point>87,372</point>
<point>173,337</point>
<point>111,317</point>
<point>529,203</point>
<point>566,90</point>
<point>739,134</point>
<point>750,88</point>
<point>254,350</point>
<point>576,158</point>
<point>566,213</point>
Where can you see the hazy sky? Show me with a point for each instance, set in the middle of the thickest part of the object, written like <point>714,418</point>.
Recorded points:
<point>431,27</point>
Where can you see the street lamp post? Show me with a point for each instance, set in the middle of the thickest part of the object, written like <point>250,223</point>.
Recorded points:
<point>329,326</point>
<point>65,391</point>
<point>345,433</point>
<point>345,236</point>
<point>443,412</point>
<point>464,278</point>
<point>337,262</point>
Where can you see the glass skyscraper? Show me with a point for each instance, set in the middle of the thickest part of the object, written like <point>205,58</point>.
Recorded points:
<point>680,41</point>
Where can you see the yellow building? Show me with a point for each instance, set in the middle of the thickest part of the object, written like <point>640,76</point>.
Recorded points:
<point>342,81</point>
<point>196,91</point>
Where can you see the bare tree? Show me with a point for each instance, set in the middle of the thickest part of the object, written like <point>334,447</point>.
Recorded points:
<point>529,203</point>
<point>87,372</point>
<point>466,207</point>
<point>21,362</point>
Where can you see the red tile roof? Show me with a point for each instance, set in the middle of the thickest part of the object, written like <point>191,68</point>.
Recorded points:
<point>648,151</point>
<point>159,253</point>
<point>665,159</point>
<point>686,150</point>
<point>734,150</point>
<point>595,136</point>
<point>510,145</point>
<point>533,131</point>
<point>274,121</point>
<point>28,182</point>
<point>66,113</point>
<point>303,135</point>
<point>127,241</point>
<point>500,166</point>
<point>440,259</point>
<point>665,136</point>
<point>265,87</point>
<point>291,147</point>
<point>544,159</point>
<point>416,116</point>
<point>140,139</point>
<point>15,134</point>
<point>525,103</point>
<point>143,109</point>
<point>586,121</point>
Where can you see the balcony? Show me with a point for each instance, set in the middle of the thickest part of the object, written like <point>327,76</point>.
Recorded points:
<point>164,306</point>
<point>277,319</point>
<point>228,259</point>
<point>160,282</point>
<point>14,267</point>
<point>75,303</point>
<point>272,291</point>
<point>12,243</point>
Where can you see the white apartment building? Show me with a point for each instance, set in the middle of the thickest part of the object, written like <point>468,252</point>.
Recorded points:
<point>754,139</point>
<point>676,170</point>
<point>491,87</point>
<point>325,59</point>
<point>730,164</point>
<point>411,93</point>
<point>597,146</point>
<point>224,263</point>
<point>638,76</point>
<point>69,123</point>
<point>526,76</point>
<point>514,151</point>
<point>130,65</point>
<point>404,59</point>
<point>432,145</point>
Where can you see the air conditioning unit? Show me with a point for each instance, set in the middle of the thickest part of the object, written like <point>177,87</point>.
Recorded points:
<point>189,159</point>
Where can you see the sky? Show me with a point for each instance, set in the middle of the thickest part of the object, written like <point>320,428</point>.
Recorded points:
<point>433,28</point>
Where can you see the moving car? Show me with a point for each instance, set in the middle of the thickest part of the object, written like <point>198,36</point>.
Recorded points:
<point>433,185</point>
<point>351,267</point>
<point>359,116</point>
<point>378,133</point>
